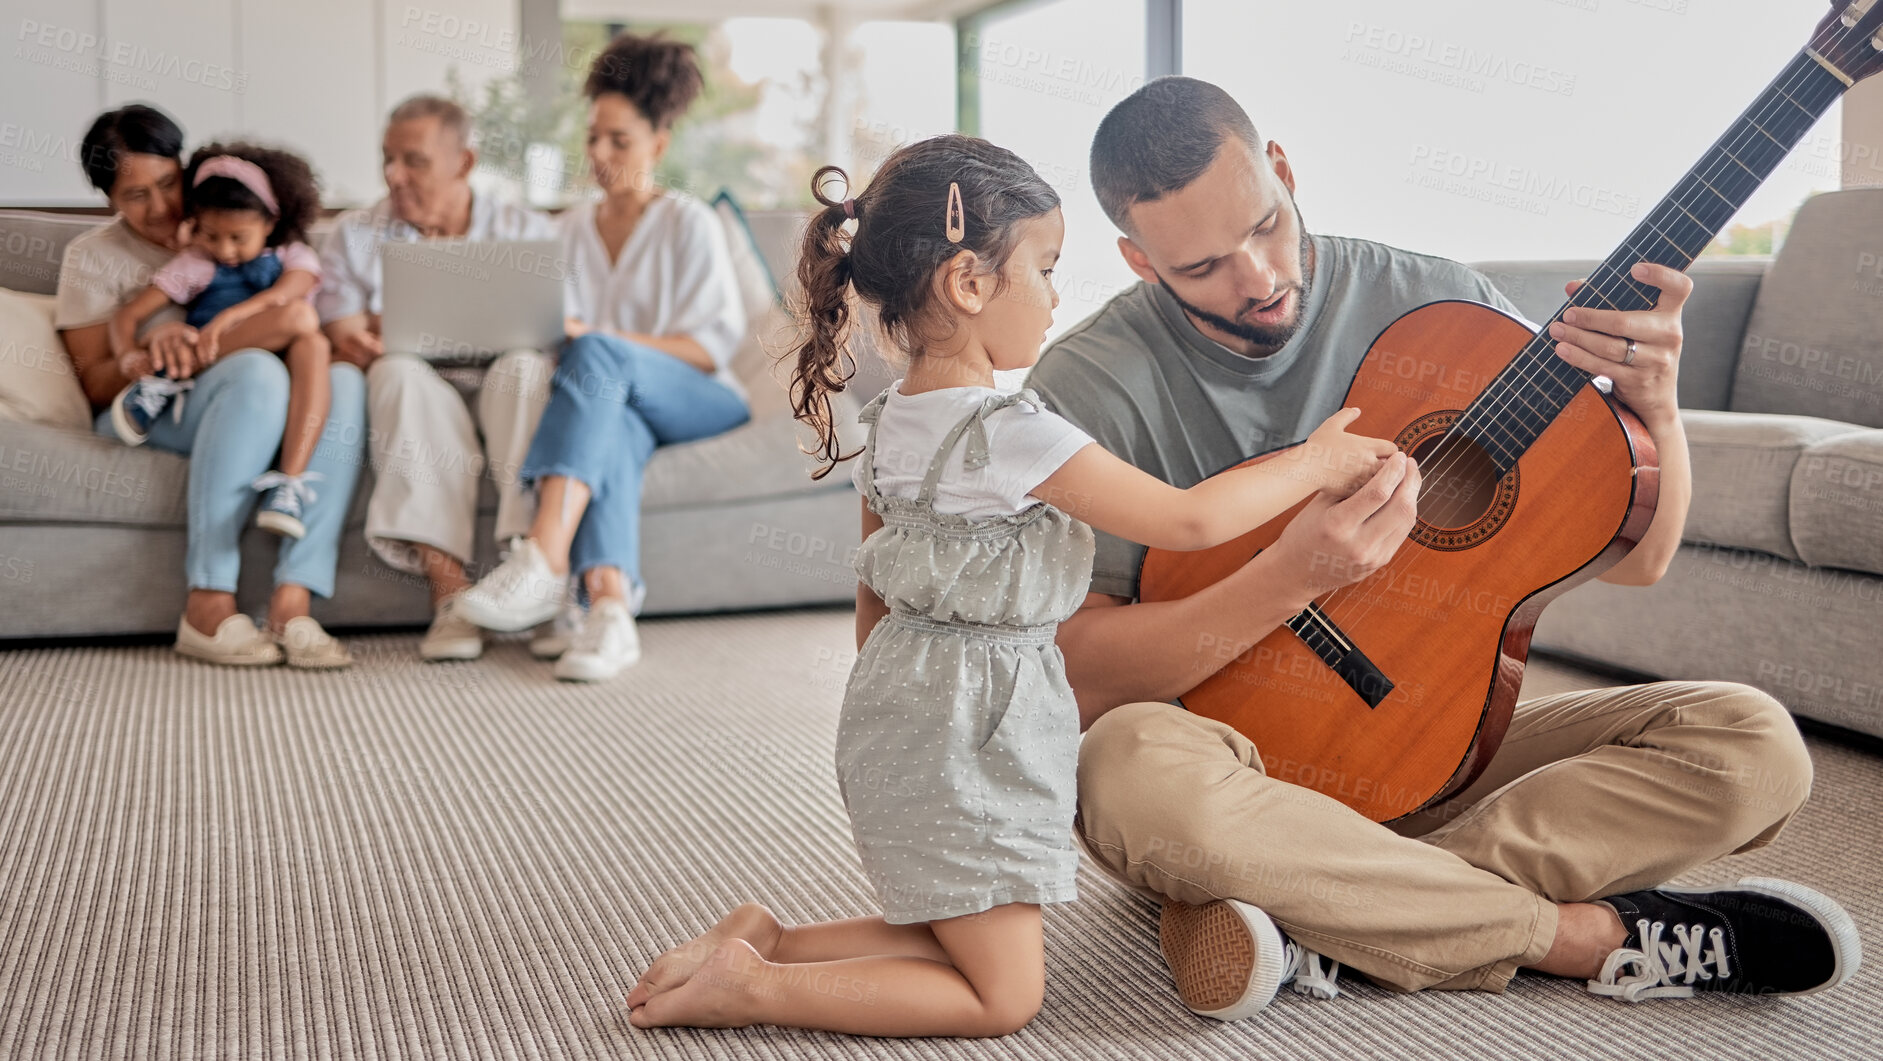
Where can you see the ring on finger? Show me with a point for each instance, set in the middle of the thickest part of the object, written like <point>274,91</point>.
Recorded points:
<point>1629,357</point>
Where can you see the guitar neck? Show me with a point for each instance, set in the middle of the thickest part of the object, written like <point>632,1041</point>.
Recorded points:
<point>1534,389</point>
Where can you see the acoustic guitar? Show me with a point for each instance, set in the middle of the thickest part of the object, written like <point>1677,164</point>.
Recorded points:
<point>1392,693</point>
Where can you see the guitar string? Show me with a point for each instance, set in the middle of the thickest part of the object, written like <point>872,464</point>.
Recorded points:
<point>1540,361</point>
<point>1534,361</point>
<point>1538,352</point>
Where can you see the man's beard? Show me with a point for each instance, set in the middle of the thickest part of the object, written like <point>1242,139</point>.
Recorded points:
<point>1268,336</point>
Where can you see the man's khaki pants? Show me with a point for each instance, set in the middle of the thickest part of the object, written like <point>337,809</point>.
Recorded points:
<point>426,456</point>
<point>1591,794</point>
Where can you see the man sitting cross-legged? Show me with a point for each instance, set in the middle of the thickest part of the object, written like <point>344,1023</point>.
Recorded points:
<point>1244,333</point>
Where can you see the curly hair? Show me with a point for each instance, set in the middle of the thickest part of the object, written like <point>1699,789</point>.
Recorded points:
<point>889,262</point>
<point>657,74</point>
<point>296,189</point>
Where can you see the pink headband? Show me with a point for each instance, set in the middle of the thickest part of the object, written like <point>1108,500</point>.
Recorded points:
<point>244,172</point>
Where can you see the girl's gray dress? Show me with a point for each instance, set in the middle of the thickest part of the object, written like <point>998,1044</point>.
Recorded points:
<point>958,748</point>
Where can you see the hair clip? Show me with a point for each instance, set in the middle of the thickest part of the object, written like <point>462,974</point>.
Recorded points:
<point>957,217</point>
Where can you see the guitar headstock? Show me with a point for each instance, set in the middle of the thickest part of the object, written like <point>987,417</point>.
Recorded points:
<point>1850,38</point>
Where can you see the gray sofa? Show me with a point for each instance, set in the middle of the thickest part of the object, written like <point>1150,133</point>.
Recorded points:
<point>93,531</point>
<point>1780,582</point>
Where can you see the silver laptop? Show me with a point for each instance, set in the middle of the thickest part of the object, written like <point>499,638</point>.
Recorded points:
<point>466,301</point>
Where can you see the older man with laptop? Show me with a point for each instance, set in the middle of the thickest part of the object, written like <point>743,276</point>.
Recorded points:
<point>421,357</point>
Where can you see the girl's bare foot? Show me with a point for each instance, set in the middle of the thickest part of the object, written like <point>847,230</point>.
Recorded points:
<point>751,922</point>
<point>723,991</point>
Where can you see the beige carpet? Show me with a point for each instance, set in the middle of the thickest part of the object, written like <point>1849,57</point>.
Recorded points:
<point>470,860</point>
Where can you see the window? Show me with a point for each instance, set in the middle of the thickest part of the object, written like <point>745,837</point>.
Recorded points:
<point>773,110</point>
<point>1466,131</point>
<point>1037,79</point>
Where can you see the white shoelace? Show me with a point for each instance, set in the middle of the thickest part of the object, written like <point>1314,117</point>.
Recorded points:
<point>1663,969</point>
<point>1304,973</point>
<point>302,493</point>
<point>152,393</point>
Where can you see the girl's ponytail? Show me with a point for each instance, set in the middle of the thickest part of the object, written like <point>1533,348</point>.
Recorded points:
<point>928,202</point>
<point>824,363</point>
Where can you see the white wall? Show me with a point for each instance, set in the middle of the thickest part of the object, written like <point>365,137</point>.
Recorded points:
<point>316,77</point>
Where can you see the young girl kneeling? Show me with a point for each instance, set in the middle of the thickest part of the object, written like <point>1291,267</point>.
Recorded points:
<point>958,743</point>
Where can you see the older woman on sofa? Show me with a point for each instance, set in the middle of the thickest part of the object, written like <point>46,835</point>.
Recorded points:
<point>655,318</point>
<point>230,410</point>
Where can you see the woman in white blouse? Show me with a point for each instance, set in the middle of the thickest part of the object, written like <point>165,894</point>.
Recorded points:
<point>654,317</point>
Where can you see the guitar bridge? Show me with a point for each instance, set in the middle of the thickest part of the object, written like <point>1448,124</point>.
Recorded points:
<point>1319,632</point>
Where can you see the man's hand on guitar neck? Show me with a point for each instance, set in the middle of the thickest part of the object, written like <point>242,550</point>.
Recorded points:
<point>1119,652</point>
<point>1597,341</point>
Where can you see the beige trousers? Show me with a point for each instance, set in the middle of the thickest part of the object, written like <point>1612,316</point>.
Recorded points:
<point>1592,794</point>
<point>426,456</point>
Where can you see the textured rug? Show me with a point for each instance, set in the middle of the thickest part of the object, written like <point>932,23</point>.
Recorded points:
<point>471,860</point>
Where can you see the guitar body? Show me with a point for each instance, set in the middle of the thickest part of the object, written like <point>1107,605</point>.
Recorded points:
<point>1448,621</point>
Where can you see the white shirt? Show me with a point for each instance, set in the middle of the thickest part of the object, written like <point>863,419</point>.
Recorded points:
<point>350,281</point>
<point>103,269</point>
<point>673,276</point>
<point>1026,443</point>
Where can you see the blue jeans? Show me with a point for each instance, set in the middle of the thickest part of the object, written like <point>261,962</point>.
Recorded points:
<point>611,403</point>
<point>233,420</point>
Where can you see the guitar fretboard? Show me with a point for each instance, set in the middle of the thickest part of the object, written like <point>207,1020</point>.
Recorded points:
<point>1534,388</point>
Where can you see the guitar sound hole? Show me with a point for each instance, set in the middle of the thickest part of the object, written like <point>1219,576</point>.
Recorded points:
<point>1459,481</point>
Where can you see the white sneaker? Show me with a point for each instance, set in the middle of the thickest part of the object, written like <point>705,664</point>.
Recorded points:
<point>553,639</point>
<point>1229,959</point>
<point>238,642</point>
<point>451,635</point>
<point>522,592</point>
<point>605,645</point>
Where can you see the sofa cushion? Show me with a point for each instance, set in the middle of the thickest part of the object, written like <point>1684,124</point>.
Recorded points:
<point>54,475</point>
<point>32,246</point>
<point>762,458</point>
<point>37,383</point>
<point>1814,344</point>
<point>1837,502</point>
<point>1743,465</point>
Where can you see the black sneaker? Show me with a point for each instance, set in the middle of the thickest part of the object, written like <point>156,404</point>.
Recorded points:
<point>1758,937</point>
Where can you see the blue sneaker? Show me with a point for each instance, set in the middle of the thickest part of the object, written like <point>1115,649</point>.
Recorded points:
<point>281,506</point>
<point>139,405</point>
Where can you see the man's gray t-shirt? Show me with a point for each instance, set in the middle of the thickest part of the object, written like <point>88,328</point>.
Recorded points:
<point>1148,386</point>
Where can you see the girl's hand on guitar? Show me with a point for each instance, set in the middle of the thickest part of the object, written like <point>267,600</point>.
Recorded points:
<point>1338,461</point>
<point>1335,542</point>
